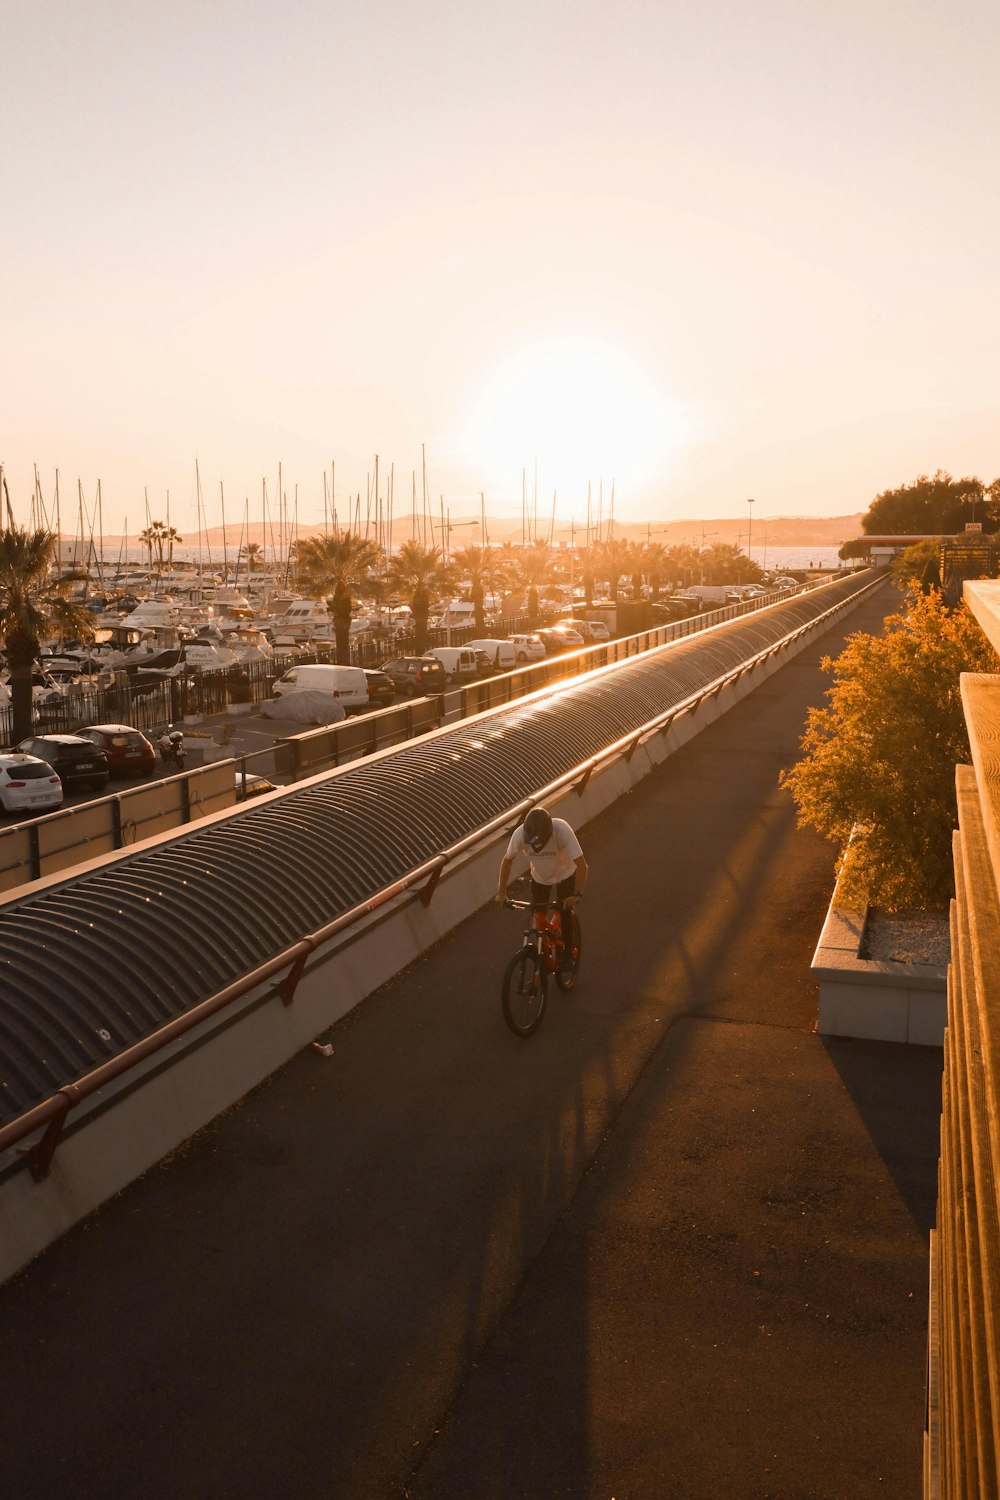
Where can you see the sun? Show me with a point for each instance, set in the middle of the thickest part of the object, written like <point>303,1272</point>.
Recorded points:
<point>579,408</point>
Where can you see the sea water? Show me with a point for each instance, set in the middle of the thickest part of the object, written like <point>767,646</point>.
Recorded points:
<point>796,559</point>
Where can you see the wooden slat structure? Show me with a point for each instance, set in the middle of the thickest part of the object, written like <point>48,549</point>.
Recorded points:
<point>962,1439</point>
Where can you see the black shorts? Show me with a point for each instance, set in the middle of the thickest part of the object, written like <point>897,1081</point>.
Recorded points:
<point>565,888</point>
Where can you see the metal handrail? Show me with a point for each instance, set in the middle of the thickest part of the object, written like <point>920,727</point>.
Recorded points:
<point>52,1112</point>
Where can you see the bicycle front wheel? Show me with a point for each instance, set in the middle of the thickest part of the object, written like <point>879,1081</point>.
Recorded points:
<point>567,972</point>
<point>524,993</point>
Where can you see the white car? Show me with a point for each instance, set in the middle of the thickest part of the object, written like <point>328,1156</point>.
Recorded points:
<point>528,647</point>
<point>587,630</point>
<point>28,784</point>
<point>570,635</point>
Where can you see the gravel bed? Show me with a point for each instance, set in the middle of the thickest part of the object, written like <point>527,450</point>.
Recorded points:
<point>914,937</point>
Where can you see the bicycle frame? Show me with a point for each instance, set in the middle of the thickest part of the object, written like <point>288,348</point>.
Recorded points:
<point>543,930</point>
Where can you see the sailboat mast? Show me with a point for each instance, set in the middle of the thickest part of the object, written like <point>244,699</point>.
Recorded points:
<point>225,551</point>
<point>100,537</point>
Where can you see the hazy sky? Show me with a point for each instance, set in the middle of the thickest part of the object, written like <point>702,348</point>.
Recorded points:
<point>710,250</point>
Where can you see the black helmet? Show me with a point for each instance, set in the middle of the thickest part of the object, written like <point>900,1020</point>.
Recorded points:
<point>537,828</point>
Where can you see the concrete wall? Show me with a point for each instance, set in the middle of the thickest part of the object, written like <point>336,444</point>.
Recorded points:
<point>883,1001</point>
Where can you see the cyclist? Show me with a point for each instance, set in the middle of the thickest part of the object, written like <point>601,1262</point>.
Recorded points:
<point>554,857</point>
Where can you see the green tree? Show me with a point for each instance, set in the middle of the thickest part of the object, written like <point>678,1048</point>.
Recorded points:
<point>477,565</point>
<point>333,567</point>
<point>419,575</point>
<point>655,563</point>
<point>878,772</point>
<point>160,537</point>
<point>612,560</point>
<point>535,566</point>
<point>724,563</point>
<point>637,567</point>
<point>33,606</point>
<point>683,564</point>
<point>933,506</point>
<point>918,566</point>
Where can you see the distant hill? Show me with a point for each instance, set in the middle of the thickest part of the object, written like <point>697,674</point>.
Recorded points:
<point>779,531</point>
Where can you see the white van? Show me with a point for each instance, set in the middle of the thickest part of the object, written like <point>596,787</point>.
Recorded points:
<point>459,662</point>
<point>348,684</point>
<point>503,654</point>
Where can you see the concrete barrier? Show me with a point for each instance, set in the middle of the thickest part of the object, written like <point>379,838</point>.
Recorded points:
<point>881,1000</point>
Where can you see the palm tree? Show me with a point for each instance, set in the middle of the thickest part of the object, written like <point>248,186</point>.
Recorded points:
<point>683,563</point>
<point>477,565</point>
<point>656,567</point>
<point>612,559</point>
<point>33,605</point>
<point>725,563</point>
<point>589,560</point>
<point>636,565</point>
<point>535,566</point>
<point>161,536</point>
<point>419,574</point>
<point>332,567</point>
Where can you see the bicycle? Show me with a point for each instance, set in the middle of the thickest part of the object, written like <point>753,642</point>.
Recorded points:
<point>545,950</point>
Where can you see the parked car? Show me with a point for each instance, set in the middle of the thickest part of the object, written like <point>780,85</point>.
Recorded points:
<point>27,784</point>
<point>128,751</point>
<point>528,647</point>
<point>77,761</point>
<point>347,684</point>
<point>596,630</point>
<point>574,640</point>
<point>307,706</point>
<point>381,688</point>
<point>459,663</point>
<point>251,785</point>
<point>554,642</point>
<point>416,676</point>
<point>676,607</point>
<point>588,630</point>
<point>502,654</point>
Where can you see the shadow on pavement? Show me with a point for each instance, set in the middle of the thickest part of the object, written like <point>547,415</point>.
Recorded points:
<point>896,1091</point>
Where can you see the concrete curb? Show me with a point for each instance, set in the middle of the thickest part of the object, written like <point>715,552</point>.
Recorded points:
<point>879,1000</point>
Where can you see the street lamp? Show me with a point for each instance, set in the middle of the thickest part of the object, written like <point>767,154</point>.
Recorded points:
<point>750,531</point>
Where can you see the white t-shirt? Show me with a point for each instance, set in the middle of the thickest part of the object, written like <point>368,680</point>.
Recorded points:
<point>556,860</point>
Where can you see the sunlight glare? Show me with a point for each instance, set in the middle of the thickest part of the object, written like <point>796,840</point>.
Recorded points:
<point>582,409</point>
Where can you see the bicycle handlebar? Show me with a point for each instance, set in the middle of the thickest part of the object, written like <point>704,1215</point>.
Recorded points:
<point>520,905</point>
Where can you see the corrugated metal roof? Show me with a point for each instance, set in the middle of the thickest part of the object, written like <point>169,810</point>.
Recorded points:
<point>90,966</point>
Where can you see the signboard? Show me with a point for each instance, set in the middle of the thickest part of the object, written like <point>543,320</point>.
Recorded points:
<point>973,525</point>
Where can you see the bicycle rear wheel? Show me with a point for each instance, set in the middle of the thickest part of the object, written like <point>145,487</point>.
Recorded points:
<point>566,976</point>
<point>524,993</point>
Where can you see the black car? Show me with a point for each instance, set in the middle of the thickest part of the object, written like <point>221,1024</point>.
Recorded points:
<point>554,643</point>
<point>416,676</point>
<point>381,689</point>
<point>677,607</point>
<point>78,761</point>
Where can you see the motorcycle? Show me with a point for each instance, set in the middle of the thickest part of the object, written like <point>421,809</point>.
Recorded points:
<point>172,751</point>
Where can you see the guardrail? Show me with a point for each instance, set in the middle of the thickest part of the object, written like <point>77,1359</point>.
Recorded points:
<point>50,1115</point>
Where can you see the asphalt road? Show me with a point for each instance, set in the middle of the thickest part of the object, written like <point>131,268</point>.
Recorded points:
<point>675,1245</point>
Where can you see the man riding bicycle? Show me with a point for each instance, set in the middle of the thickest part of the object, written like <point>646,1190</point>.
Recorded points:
<point>554,857</point>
